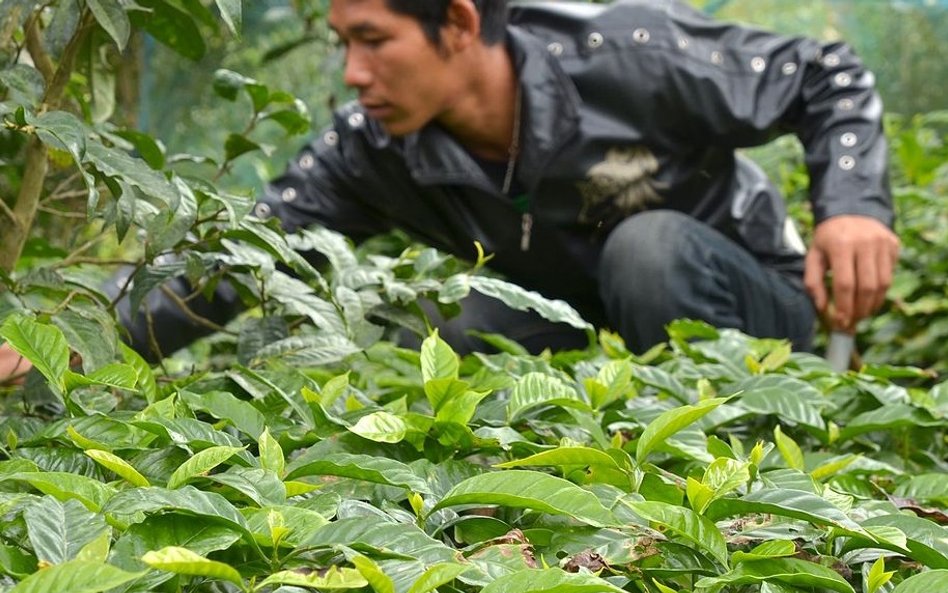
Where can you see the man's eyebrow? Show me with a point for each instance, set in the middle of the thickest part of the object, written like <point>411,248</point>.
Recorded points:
<point>362,28</point>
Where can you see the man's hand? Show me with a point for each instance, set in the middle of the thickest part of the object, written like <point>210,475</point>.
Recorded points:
<point>12,365</point>
<point>861,252</point>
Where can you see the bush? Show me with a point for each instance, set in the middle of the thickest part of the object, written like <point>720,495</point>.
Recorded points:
<point>301,449</point>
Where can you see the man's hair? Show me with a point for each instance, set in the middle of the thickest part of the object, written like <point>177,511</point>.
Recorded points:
<point>433,14</point>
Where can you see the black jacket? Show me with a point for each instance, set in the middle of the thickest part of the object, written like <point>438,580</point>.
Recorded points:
<point>629,106</point>
<point>626,107</point>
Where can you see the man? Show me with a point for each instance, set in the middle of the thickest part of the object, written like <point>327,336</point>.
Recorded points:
<point>591,149</point>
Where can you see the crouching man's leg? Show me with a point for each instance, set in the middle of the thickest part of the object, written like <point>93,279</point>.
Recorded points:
<point>663,265</point>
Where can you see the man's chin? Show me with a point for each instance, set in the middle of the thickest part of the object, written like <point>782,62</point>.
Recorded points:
<point>397,127</point>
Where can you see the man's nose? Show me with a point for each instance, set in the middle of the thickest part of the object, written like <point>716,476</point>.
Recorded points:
<point>357,73</point>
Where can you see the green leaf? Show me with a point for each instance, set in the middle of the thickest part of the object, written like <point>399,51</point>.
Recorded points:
<point>187,500</point>
<point>461,408</point>
<point>151,150</point>
<point>380,582</point>
<point>438,360</point>
<point>43,345</point>
<point>878,576</point>
<point>231,13</point>
<point>888,417</point>
<point>172,529</point>
<point>92,335</point>
<point>170,227</point>
<point>183,561</point>
<point>117,375</point>
<point>540,389</point>
<point>98,549</point>
<point>833,467</point>
<point>286,525</point>
<point>925,582</point>
<point>379,470</point>
<point>241,414</point>
<point>785,397</point>
<point>171,27</point>
<point>271,453</point>
<point>65,486</point>
<point>927,542</point>
<point>111,16</point>
<point>685,330</point>
<point>237,145</point>
<point>228,83</point>
<point>582,456</point>
<point>76,576</point>
<point>772,549</point>
<point>684,523</point>
<point>15,562</point>
<point>333,579</point>
<point>378,534</point>
<point>116,163</point>
<point>550,580</point>
<point>670,422</point>
<point>24,84</point>
<point>789,571</point>
<point>293,121</point>
<point>437,575</point>
<point>381,427</point>
<point>927,488</point>
<point>530,490</point>
<point>309,351</point>
<point>260,485</point>
<point>201,463</point>
<point>58,531</point>
<point>119,466</point>
<point>521,299</point>
<point>439,391</point>
<point>661,380</point>
<point>789,450</point>
<point>721,477</point>
<point>63,131</point>
<point>784,502</point>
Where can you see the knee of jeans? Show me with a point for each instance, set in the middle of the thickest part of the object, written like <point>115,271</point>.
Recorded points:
<point>645,244</point>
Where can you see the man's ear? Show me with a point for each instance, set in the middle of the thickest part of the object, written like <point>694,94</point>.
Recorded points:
<point>462,27</point>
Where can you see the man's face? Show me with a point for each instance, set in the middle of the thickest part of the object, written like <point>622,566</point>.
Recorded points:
<point>404,81</point>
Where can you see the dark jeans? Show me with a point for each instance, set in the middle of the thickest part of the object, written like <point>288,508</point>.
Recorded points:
<point>656,267</point>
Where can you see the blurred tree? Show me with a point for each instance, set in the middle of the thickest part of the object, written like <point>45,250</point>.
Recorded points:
<point>283,43</point>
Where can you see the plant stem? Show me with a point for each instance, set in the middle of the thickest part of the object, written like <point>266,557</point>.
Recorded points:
<point>15,231</point>
<point>34,45</point>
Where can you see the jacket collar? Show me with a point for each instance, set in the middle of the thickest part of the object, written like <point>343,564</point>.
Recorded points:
<point>550,118</point>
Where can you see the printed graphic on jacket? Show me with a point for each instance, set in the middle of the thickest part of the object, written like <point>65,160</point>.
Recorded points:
<point>619,186</point>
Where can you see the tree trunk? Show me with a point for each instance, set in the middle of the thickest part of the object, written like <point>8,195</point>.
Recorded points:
<point>15,232</point>
<point>15,223</point>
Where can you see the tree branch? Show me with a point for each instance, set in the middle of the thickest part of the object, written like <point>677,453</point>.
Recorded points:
<point>34,45</point>
<point>8,26</point>
<point>191,315</point>
<point>57,86</point>
<point>7,212</point>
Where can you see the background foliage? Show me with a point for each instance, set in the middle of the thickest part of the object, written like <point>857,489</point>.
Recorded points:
<point>299,449</point>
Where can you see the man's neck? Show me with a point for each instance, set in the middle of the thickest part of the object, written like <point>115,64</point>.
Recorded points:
<point>482,116</point>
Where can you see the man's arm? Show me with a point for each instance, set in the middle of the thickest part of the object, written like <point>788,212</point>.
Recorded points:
<point>861,253</point>
<point>756,85</point>
<point>12,365</point>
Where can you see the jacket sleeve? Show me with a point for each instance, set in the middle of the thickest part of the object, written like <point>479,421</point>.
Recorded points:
<point>320,186</point>
<point>743,87</point>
